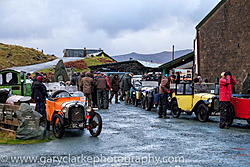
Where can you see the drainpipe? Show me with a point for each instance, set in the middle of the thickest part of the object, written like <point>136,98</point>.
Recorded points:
<point>173,53</point>
<point>198,51</point>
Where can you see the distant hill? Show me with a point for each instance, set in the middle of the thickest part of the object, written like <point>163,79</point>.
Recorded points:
<point>13,55</point>
<point>160,58</point>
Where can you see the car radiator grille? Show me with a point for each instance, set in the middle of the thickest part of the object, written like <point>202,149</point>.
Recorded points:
<point>77,115</point>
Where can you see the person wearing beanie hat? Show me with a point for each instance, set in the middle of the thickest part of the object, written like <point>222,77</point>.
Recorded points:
<point>39,78</point>
<point>39,94</point>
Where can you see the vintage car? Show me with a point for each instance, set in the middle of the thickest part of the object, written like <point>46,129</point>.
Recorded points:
<point>149,94</point>
<point>134,91</point>
<point>200,99</point>
<point>15,81</point>
<point>240,108</point>
<point>65,110</point>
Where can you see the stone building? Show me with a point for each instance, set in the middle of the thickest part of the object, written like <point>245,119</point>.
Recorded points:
<point>80,52</point>
<point>85,53</point>
<point>223,43</point>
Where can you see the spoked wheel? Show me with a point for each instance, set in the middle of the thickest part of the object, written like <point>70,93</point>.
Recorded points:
<point>58,126</point>
<point>202,113</point>
<point>95,123</point>
<point>175,111</point>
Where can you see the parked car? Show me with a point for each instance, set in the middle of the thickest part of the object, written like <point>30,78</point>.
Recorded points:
<point>137,83</point>
<point>149,95</point>
<point>65,110</point>
<point>200,99</point>
<point>15,81</point>
<point>240,108</point>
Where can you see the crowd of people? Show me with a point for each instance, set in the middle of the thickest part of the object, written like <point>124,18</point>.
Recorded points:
<point>96,87</point>
<point>99,89</point>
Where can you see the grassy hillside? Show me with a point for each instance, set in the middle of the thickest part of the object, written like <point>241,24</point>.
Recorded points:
<point>13,55</point>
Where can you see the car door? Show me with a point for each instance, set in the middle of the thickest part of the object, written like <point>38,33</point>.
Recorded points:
<point>241,107</point>
<point>184,96</point>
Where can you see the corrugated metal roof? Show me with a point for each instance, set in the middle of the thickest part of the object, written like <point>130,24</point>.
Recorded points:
<point>149,64</point>
<point>179,61</point>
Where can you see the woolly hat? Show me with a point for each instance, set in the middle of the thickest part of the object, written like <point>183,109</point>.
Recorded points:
<point>39,78</point>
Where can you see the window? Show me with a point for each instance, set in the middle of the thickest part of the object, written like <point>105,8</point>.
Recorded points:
<point>1,79</point>
<point>189,89</point>
<point>180,89</point>
<point>11,78</point>
<point>8,77</point>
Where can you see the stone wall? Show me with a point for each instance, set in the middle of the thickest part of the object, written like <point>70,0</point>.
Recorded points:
<point>225,42</point>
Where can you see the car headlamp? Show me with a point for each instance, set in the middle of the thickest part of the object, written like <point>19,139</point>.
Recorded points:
<point>64,110</point>
<point>88,109</point>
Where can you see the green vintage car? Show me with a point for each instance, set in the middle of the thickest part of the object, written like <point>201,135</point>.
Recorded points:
<point>15,81</point>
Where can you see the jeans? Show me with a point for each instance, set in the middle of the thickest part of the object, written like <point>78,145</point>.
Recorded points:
<point>163,104</point>
<point>102,99</point>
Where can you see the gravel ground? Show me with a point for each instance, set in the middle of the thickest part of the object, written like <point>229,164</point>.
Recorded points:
<point>134,137</point>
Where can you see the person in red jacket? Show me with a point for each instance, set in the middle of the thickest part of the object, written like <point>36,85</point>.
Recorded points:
<point>225,91</point>
<point>108,87</point>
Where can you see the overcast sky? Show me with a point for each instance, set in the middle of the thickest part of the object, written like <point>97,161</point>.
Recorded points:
<point>116,26</point>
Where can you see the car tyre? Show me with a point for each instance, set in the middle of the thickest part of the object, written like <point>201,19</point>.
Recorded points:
<point>95,123</point>
<point>248,121</point>
<point>175,111</point>
<point>202,113</point>
<point>58,126</point>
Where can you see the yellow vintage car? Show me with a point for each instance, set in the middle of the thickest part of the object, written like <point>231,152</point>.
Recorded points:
<point>201,99</point>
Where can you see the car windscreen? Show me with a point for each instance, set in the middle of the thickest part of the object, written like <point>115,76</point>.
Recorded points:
<point>62,94</point>
<point>77,94</point>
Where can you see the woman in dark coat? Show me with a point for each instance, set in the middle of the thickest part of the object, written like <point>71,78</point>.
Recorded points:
<point>115,87</point>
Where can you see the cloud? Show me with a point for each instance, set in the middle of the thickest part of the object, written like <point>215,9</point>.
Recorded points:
<point>118,27</point>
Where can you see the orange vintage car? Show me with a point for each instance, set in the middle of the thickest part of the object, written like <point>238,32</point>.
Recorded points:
<point>66,110</point>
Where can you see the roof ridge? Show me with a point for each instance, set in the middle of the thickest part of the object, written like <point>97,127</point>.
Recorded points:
<point>204,20</point>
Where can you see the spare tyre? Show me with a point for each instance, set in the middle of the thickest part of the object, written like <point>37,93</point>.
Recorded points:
<point>4,95</point>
